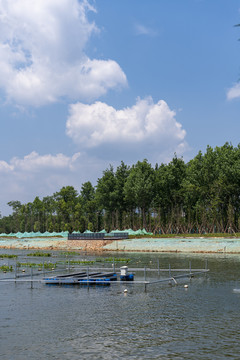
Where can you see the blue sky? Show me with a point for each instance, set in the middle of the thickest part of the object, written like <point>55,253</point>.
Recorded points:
<point>85,84</point>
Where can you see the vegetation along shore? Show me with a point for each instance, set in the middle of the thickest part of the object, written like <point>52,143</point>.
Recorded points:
<point>195,198</point>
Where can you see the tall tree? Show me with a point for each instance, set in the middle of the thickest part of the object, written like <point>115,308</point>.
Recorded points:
<point>106,196</point>
<point>16,206</point>
<point>66,200</point>
<point>169,194</point>
<point>139,188</point>
<point>87,207</point>
<point>121,176</point>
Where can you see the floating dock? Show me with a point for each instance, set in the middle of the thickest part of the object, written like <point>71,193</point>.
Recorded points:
<point>87,278</point>
<point>82,278</point>
<point>100,276</point>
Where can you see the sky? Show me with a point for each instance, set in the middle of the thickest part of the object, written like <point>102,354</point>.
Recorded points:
<point>85,84</point>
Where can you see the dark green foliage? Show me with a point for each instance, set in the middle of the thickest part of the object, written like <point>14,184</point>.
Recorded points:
<point>39,254</point>
<point>6,268</point>
<point>86,209</point>
<point>46,265</point>
<point>198,197</point>
<point>8,256</point>
<point>139,189</point>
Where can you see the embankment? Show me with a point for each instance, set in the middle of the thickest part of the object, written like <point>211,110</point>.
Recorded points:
<point>161,245</point>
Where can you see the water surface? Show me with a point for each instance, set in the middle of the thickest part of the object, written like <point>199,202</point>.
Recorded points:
<point>166,322</point>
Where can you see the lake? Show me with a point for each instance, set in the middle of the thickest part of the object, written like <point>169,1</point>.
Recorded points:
<point>166,322</point>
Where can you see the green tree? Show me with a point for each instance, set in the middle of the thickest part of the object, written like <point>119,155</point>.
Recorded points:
<point>139,188</point>
<point>16,206</point>
<point>87,207</point>
<point>106,197</point>
<point>169,195</point>
<point>38,211</point>
<point>49,206</point>
<point>121,176</point>
<point>66,200</point>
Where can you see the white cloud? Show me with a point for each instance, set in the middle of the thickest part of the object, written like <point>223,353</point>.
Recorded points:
<point>234,92</point>
<point>42,54</point>
<point>144,130</point>
<point>5,167</point>
<point>144,30</point>
<point>35,162</point>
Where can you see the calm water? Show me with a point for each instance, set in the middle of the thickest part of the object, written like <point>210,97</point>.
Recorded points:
<point>166,322</point>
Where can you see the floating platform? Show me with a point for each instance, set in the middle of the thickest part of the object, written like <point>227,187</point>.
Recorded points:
<point>82,278</point>
<point>100,276</point>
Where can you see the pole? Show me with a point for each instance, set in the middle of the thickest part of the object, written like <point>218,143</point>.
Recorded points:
<point>15,271</point>
<point>88,277</point>
<point>170,275</point>
<point>31,277</point>
<point>145,276</point>
<point>158,267</point>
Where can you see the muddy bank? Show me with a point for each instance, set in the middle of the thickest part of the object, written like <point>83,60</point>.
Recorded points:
<point>54,244</point>
<point>89,245</point>
<point>181,245</point>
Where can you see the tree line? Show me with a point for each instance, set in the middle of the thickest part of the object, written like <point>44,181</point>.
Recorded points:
<point>200,196</point>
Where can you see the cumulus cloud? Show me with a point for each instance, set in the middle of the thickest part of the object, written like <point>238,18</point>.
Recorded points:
<point>145,129</point>
<point>5,167</point>
<point>42,56</point>
<point>35,162</point>
<point>234,92</point>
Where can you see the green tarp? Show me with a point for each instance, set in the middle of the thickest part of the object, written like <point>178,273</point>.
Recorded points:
<point>38,234</point>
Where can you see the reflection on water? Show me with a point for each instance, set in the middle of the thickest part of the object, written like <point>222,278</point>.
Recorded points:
<point>166,322</point>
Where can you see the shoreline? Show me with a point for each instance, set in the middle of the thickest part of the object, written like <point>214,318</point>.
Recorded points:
<point>197,245</point>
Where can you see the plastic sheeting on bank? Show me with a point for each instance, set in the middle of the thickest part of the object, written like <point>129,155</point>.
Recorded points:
<point>38,234</point>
